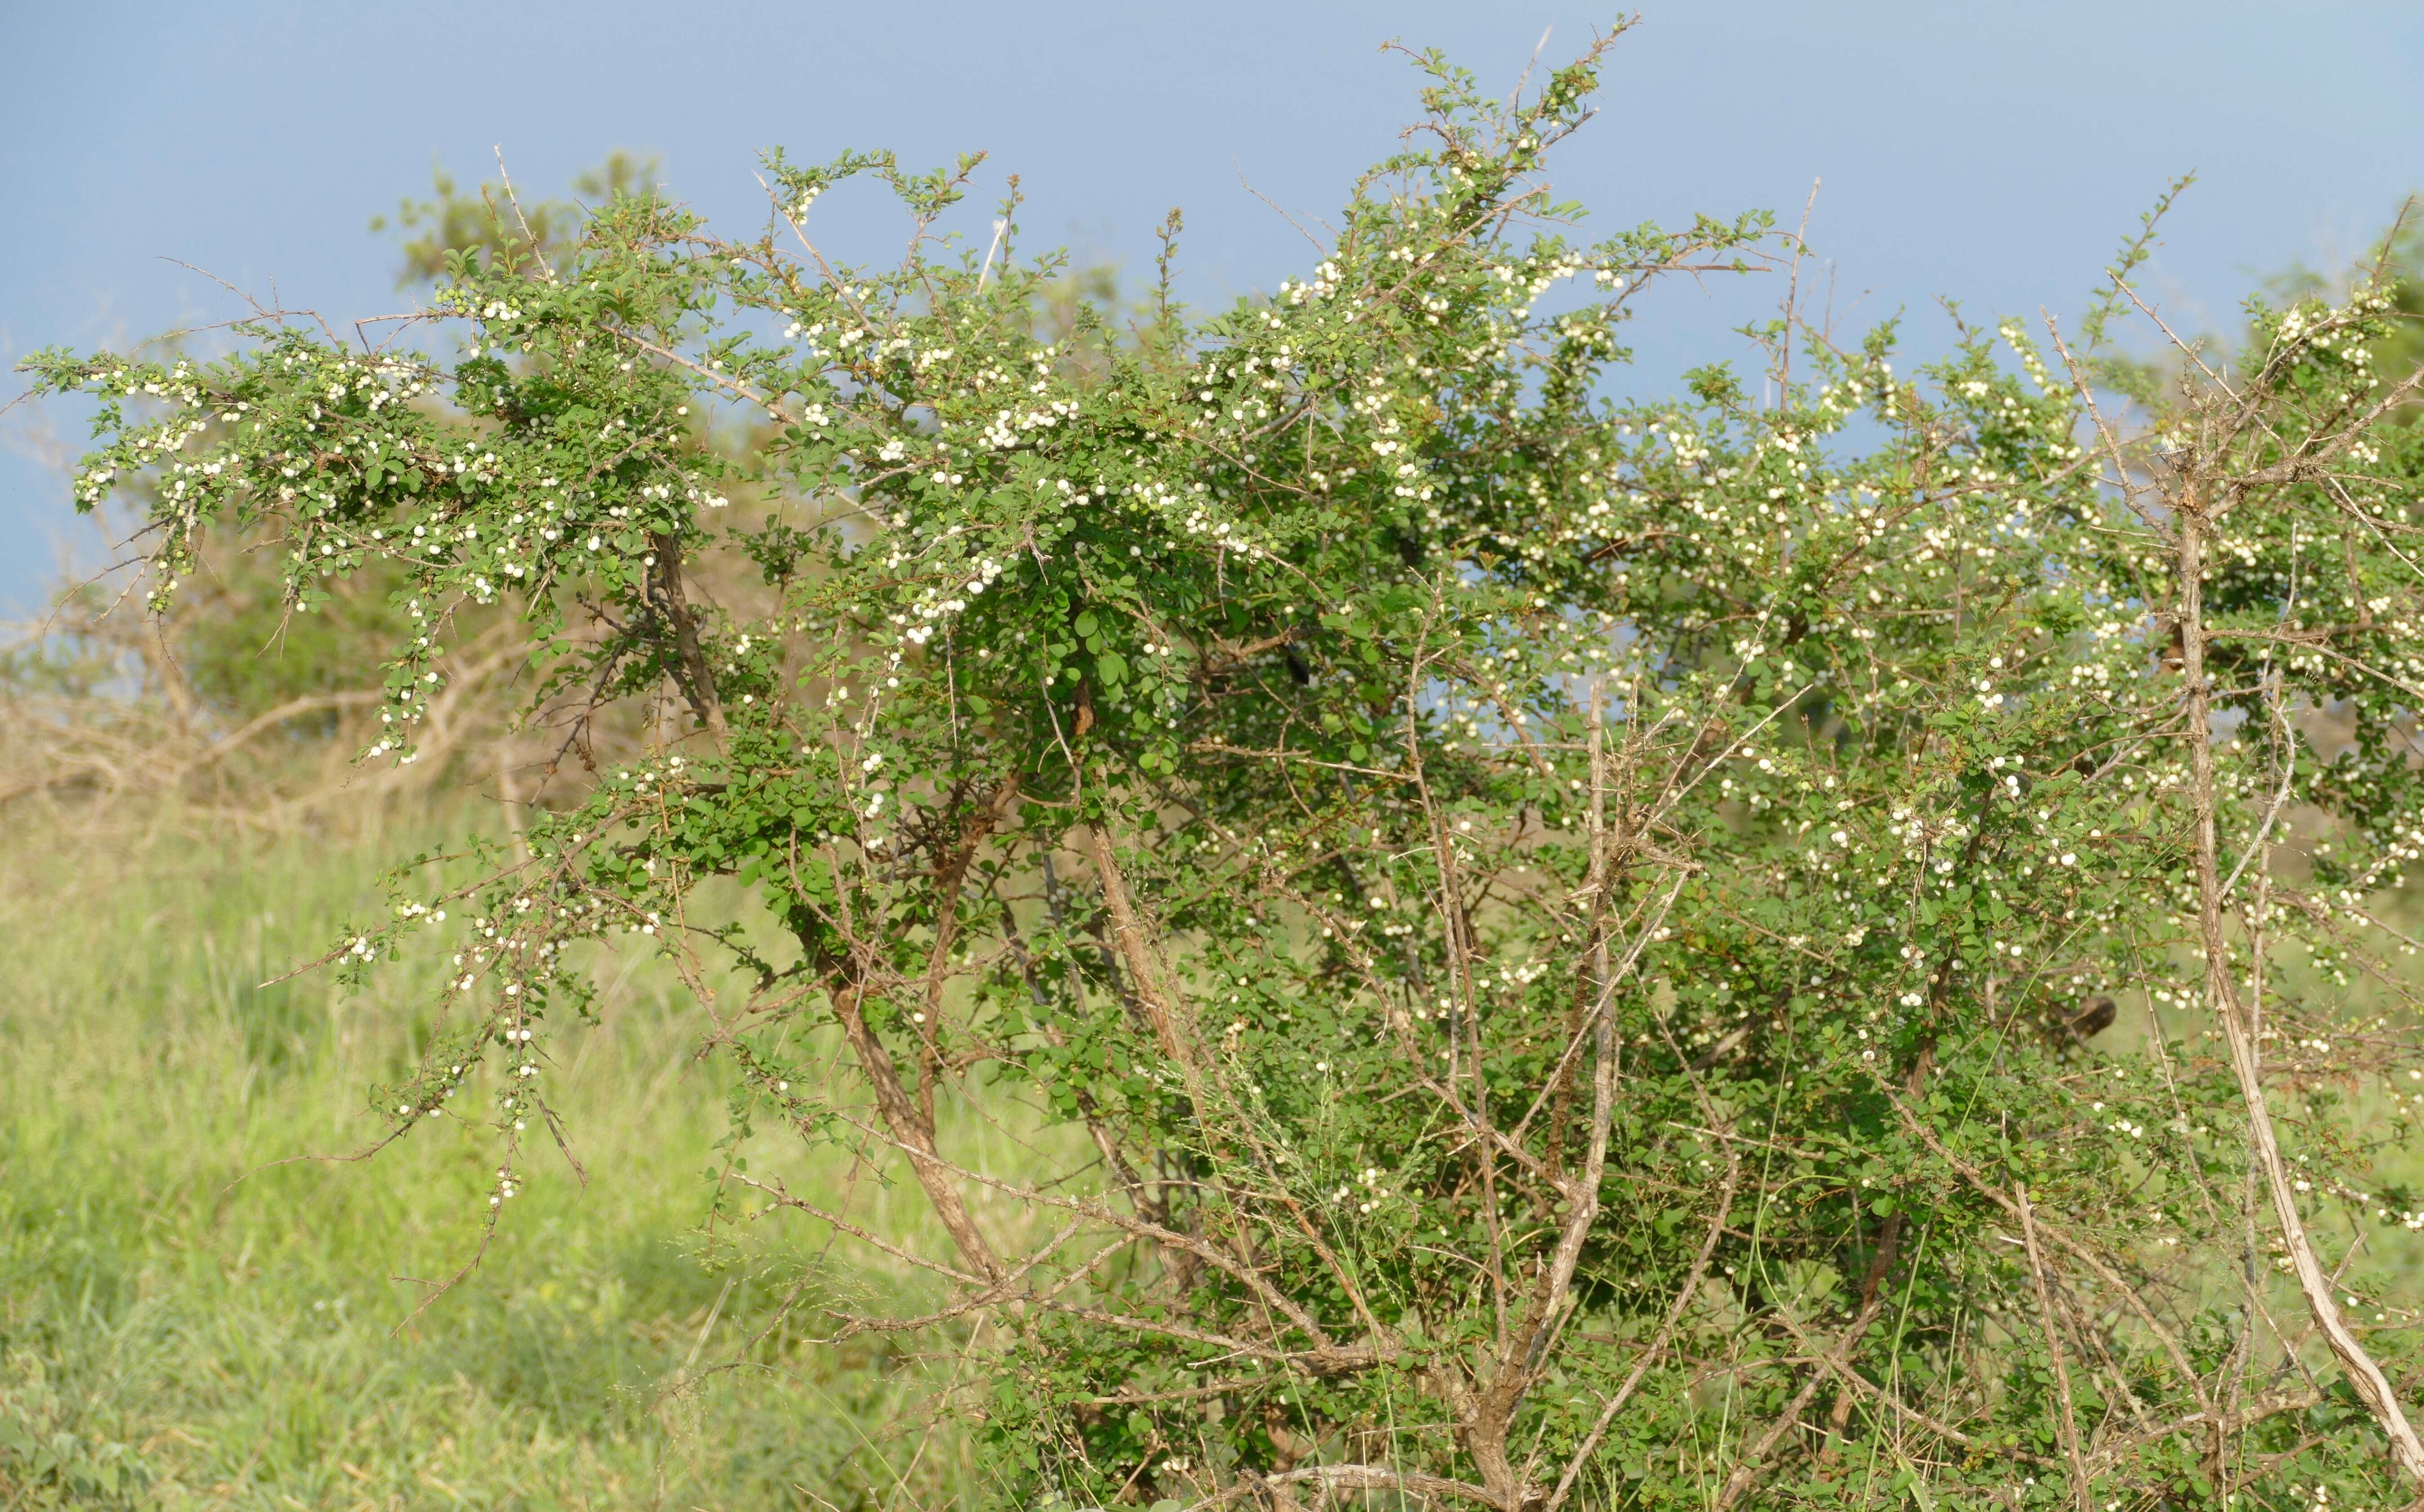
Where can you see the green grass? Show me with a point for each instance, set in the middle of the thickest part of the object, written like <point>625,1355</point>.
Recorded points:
<point>176,1332</point>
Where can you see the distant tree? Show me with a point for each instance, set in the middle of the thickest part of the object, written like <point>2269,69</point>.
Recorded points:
<point>493,227</point>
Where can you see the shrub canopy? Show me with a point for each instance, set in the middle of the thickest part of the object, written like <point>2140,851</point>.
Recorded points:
<point>1577,945</point>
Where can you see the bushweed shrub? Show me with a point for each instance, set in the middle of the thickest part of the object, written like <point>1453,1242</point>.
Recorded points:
<point>1707,953</point>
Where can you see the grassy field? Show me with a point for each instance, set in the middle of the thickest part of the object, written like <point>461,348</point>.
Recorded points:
<point>173,1336</point>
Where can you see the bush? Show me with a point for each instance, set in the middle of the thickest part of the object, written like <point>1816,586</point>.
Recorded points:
<point>1574,943</point>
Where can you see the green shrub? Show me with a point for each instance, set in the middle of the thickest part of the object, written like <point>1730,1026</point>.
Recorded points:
<point>1499,947</point>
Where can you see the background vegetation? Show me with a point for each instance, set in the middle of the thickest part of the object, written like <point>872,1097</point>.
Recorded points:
<point>183,1322</point>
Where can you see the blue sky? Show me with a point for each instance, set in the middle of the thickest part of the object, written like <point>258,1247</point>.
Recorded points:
<point>1993,152</point>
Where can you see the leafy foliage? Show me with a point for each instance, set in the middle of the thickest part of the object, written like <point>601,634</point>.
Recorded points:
<point>1573,935</point>
<point>451,222</point>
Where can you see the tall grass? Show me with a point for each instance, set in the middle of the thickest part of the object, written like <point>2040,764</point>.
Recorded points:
<point>185,1324</point>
